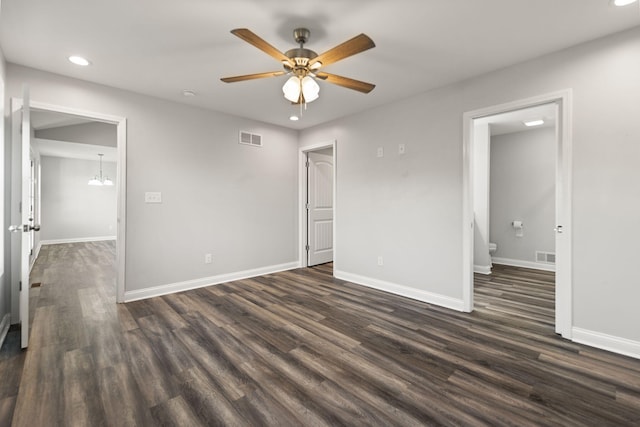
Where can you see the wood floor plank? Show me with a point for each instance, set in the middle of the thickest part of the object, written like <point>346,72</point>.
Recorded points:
<point>82,402</point>
<point>175,412</point>
<point>302,348</point>
<point>121,397</point>
<point>154,382</point>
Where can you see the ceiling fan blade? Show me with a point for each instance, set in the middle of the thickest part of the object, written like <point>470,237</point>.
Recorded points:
<point>252,38</point>
<point>355,45</point>
<point>346,82</point>
<point>252,76</point>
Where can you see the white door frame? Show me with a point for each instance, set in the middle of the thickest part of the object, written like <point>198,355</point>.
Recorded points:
<point>302,198</point>
<point>121,180</point>
<point>564,246</point>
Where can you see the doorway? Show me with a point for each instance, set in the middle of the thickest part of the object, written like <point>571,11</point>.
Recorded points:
<point>21,108</point>
<point>476,227</point>
<point>317,202</point>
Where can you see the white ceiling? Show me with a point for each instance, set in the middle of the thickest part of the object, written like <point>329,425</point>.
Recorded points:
<point>513,121</point>
<point>162,47</point>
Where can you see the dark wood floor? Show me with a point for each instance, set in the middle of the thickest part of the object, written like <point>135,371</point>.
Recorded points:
<point>302,348</point>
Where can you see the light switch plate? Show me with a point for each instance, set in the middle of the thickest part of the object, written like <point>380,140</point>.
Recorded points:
<point>153,197</point>
<point>380,152</point>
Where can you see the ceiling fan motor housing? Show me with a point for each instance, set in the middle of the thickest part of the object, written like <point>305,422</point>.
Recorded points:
<point>300,55</point>
<point>301,35</point>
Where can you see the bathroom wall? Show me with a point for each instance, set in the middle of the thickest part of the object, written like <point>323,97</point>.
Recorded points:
<point>523,188</point>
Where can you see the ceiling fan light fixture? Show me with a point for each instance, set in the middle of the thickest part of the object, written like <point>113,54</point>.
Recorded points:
<point>302,65</point>
<point>292,88</point>
<point>310,89</point>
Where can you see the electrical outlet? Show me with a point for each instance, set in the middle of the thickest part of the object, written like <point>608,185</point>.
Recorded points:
<point>401,149</point>
<point>380,261</point>
<point>208,258</point>
<point>380,152</point>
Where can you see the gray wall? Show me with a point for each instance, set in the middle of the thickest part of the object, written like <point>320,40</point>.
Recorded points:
<point>523,188</point>
<point>95,133</point>
<point>71,209</point>
<point>237,202</point>
<point>5,278</point>
<point>410,208</point>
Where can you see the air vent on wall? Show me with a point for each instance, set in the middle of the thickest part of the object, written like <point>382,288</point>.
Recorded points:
<point>546,257</point>
<point>248,138</point>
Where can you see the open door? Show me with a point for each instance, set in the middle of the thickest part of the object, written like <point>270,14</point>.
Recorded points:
<point>319,207</point>
<point>21,122</point>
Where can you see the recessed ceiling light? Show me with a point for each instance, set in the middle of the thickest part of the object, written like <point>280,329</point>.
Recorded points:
<point>534,122</point>
<point>79,60</point>
<point>623,2</point>
<point>187,92</point>
<point>294,118</point>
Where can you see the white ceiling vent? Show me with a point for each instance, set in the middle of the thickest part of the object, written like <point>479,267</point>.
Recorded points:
<point>248,138</point>
<point>546,257</point>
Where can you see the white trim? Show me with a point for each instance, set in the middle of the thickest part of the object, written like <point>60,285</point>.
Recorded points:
<point>77,240</point>
<point>35,258</point>
<point>4,327</point>
<point>564,251</point>
<point>607,342</point>
<point>482,269</point>
<point>172,288</point>
<point>302,197</point>
<point>524,264</point>
<point>121,123</point>
<point>405,291</point>
<point>121,225</point>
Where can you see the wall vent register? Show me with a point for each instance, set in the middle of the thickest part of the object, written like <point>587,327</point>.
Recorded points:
<point>248,138</point>
<point>545,257</point>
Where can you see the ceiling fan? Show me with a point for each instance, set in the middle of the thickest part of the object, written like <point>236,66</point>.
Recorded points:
<point>304,65</point>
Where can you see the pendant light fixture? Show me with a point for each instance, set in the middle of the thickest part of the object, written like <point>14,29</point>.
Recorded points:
<point>99,180</point>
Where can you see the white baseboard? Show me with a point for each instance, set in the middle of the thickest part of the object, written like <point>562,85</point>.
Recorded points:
<point>172,288</point>
<point>482,269</point>
<point>524,264</point>
<point>405,291</point>
<point>4,327</point>
<point>607,342</point>
<point>77,240</point>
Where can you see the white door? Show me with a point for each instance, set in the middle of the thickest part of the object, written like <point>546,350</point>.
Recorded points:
<point>319,208</point>
<point>26,226</point>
